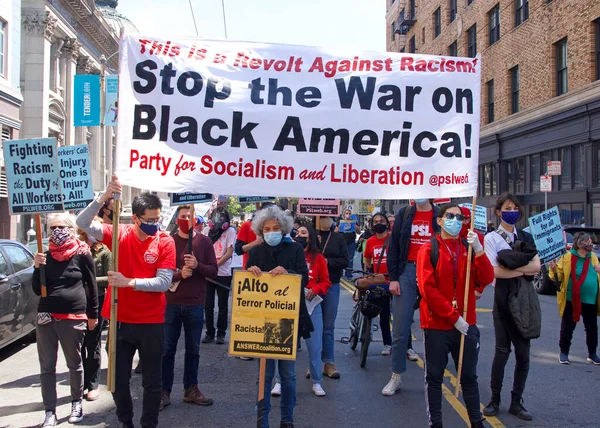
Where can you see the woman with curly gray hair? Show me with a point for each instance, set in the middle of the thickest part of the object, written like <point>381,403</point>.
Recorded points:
<point>69,308</point>
<point>578,295</point>
<point>279,255</point>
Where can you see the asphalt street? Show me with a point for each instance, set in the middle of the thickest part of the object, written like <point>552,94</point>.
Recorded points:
<point>556,395</point>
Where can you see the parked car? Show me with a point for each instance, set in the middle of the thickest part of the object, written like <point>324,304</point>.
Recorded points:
<point>32,245</point>
<point>18,303</point>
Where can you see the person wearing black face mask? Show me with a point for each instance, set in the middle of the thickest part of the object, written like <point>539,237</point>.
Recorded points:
<point>146,267</point>
<point>376,250</point>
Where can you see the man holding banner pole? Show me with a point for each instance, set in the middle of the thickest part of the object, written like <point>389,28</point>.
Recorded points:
<point>147,264</point>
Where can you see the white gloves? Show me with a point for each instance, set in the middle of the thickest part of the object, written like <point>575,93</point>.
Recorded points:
<point>462,326</point>
<point>473,241</point>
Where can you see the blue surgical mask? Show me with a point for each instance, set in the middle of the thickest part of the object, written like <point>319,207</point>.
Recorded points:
<point>421,201</point>
<point>273,238</point>
<point>452,226</point>
<point>149,229</point>
<point>511,217</point>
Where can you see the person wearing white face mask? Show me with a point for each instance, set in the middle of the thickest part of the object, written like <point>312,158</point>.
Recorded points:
<point>279,255</point>
<point>442,286</point>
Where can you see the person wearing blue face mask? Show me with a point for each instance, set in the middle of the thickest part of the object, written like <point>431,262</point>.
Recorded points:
<point>509,210</point>
<point>146,268</point>
<point>279,255</point>
<point>442,286</point>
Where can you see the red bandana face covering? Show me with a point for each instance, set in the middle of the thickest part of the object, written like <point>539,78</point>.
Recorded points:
<point>63,246</point>
<point>184,225</point>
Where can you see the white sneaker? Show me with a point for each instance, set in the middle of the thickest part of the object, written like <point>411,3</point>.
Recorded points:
<point>276,391</point>
<point>318,390</point>
<point>412,355</point>
<point>387,350</point>
<point>393,385</point>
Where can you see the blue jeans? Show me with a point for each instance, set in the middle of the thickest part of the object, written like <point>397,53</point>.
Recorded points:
<point>403,317</point>
<point>314,344</point>
<point>192,319</point>
<point>287,373</point>
<point>351,252</point>
<point>329,308</point>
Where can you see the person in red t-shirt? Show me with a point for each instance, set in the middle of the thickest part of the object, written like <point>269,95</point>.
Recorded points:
<point>443,290</point>
<point>376,250</point>
<point>466,224</point>
<point>246,238</point>
<point>414,226</point>
<point>146,267</point>
<point>318,285</point>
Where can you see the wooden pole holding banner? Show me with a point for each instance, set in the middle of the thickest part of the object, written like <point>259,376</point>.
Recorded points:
<point>114,299</point>
<point>191,232</point>
<point>40,248</point>
<point>461,353</point>
<point>261,392</point>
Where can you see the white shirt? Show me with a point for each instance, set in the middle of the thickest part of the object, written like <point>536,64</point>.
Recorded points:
<point>494,243</point>
<point>226,240</point>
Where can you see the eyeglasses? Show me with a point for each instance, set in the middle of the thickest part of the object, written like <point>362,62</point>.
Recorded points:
<point>451,216</point>
<point>149,220</point>
<point>58,227</point>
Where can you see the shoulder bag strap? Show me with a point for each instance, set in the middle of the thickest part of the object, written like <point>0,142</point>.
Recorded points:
<point>383,249</point>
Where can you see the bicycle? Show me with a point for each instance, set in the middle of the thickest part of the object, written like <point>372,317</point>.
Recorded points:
<point>365,309</point>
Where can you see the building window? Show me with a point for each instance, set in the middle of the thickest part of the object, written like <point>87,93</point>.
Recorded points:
<point>597,48</point>
<point>564,182</point>
<point>510,177</point>
<point>437,22</point>
<point>2,47</point>
<point>514,89</point>
<point>402,49</point>
<point>487,180</point>
<point>578,166</point>
<point>453,49</point>
<point>534,168</point>
<point>469,2</point>
<point>411,9</point>
<point>423,36</point>
<point>452,5</point>
<point>561,67</point>
<point>521,11</point>
<point>490,100</point>
<point>494,24</point>
<point>393,31</point>
<point>472,41</point>
<point>520,175</point>
<point>412,45</point>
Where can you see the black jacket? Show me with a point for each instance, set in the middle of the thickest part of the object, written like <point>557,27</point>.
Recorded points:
<point>336,254</point>
<point>290,256</point>
<point>400,241</point>
<point>65,282</point>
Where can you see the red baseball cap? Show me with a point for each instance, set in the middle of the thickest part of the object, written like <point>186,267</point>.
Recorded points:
<point>466,212</point>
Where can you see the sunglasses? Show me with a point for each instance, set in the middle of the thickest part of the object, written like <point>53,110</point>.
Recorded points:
<point>451,216</point>
<point>58,227</point>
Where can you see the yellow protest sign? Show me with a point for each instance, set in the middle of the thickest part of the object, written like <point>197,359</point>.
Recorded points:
<point>264,315</point>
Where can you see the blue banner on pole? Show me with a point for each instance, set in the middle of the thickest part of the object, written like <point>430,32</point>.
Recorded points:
<point>111,107</point>
<point>76,176</point>
<point>32,174</point>
<point>548,235</point>
<point>86,105</point>
<point>190,198</point>
<point>255,199</point>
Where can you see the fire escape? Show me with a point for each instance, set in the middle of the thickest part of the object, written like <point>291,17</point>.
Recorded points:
<point>406,19</point>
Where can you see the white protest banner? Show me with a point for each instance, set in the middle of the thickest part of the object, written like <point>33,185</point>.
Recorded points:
<point>76,176</point>
<point>32,173</point>
<point>480,216</point>
<point>547,233</point>
<point>295,121</point>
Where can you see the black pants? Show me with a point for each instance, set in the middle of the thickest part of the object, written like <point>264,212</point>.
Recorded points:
<point>91,352</point>
<point>384,319</point>
<point>148,340</point>
<point>438,344</point>
<point>590,322</point>
<point>507,333</point>
<point>223,302</point>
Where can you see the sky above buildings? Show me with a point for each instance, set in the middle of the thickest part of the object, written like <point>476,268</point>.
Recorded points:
<point>347,24</point>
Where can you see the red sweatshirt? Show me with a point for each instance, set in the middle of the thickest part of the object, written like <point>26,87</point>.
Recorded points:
<point>318,274</point>
<point>437,288</point>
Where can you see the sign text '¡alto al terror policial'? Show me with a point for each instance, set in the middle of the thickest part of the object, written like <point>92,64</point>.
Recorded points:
<point>256,286</point>
<point>366,92</point>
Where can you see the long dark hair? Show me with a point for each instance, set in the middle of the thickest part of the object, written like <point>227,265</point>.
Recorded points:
<point>312,247</point>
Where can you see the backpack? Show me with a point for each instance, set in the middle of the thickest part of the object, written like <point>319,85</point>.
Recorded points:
<point>435,250</point>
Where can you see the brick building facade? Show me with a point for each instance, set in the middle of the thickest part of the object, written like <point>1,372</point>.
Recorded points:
<point>540,90</point>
